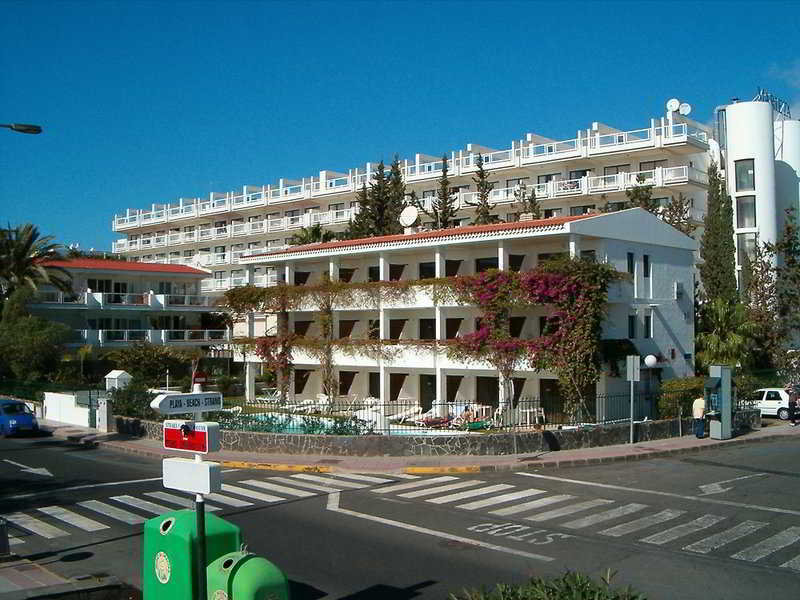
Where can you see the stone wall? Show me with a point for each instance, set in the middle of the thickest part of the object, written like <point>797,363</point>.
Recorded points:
<point>489,444</point>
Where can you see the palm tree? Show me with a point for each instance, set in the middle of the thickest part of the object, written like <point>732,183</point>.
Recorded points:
<point>312,235</point>
<point>728,336</point>
<point>22,257</point>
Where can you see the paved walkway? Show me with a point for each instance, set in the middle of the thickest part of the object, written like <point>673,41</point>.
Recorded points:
<point>430,464</point>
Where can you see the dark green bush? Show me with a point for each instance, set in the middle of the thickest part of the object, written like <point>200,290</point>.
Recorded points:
<point>570,586</point>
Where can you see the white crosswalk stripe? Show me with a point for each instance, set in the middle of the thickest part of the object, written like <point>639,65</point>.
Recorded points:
<point>568,510</point>
<point>367,478</point>
<point>680,531</point>
<point>438,490</point>
<point>71,518</point>
<point>404,476</point>
<point>281,489</point>
<point>718,540</point>
<point>607,515</point>
<point>793,564</point>
<point>240,491</point>
<point>36,526</point>
<point>533,504</point>
<point>470,493</point>
<point>179,500</point>
<point>112,512</point>
<point>329,481</point>
<point>227,500</point>
<point>12,541</point>
<point>306,484</point>
<point>413,484</point>
<point>642,523</point>
<point>503,498</point>
<point>145,505</point>
<point>770,545</point>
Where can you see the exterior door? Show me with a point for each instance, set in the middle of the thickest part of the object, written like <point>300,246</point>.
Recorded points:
<point>427,391</point>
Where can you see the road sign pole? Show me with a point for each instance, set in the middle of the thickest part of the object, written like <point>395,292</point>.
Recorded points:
<point>200,509</point>
<point>631,433</point>
<point>633,375</point>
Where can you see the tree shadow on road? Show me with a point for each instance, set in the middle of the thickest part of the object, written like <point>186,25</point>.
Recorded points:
<point>389,592</point>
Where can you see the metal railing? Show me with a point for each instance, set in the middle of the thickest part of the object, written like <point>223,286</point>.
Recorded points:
<point>137,299</point>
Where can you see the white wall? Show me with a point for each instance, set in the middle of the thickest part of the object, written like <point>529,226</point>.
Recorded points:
<point>63,409</point>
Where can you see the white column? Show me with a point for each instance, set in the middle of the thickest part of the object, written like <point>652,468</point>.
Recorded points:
<point>440,403</point>
<point>574,246</point>
<point>288,274</point>
<point>250,381</point>
<point>502,256</point>
<point>383,267</point>
<point>249,274</point>
<point>333,269</point>
<point>251,325</point>
<point>439,262</point>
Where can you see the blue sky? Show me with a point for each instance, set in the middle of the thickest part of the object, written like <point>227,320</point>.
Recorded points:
<point>145,102</point>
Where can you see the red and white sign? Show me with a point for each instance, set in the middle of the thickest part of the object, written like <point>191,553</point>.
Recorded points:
<point>200,377</point>
<point>191,436</point>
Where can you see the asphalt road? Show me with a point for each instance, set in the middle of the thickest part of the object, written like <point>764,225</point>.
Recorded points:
<point>720,524</point>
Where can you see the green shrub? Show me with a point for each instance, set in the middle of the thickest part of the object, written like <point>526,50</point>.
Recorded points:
<point>133,401</point>
<point>677,393</point>
<point>570,586</point>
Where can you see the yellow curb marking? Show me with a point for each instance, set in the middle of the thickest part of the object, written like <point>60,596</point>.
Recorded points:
<point>437,470</point>
<point>235,464</point>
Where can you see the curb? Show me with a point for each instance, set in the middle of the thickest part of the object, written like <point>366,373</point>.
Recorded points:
<point>438,470</point>
<point>237,464</point>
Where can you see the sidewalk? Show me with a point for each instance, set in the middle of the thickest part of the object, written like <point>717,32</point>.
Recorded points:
<point>428,464</point>
<point>22,579</point>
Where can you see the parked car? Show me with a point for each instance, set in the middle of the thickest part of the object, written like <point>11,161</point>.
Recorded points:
<point>773,402</point>
<point>16,417</point>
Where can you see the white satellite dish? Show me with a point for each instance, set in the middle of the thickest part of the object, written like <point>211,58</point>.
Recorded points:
<point>685,108</point>
<point>409,216</point>
<point>673,104</point>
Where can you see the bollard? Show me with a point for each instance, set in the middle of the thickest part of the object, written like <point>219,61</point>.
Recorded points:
<point>5,546</point>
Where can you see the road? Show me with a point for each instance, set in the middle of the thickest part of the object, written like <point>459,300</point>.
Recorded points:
<point>721,524</point>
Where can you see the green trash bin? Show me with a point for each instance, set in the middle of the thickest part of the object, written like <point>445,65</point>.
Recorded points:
<point>169,569</point>
<point>245,576</point>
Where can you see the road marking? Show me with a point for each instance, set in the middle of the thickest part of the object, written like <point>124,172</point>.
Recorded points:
<point>404,476</point>
<point>793,564</point>
<point>112,511</point>
<point>366,478</point>
<point>179,500</point>
<point>333,505</point>
<point>274,487</point>
<point>306,484</point>
<point>12,541</point>
<point>500,499</point>
<point>518,508</point>
<point>568,510</point>
<point>36,526</point>
<point>145,505</point>
<point>71,518</point>
<point>240,491</point>
<point>414,484</point>
<point>222,499</point>
<point>642,523</point>
<point>775,509</point>
<point>329,481</point>
<point>602,517</point>
<point>680,531</point>
<point>716,488</point>
<point>471,493</point>
<point>88,486</point>
<point>769,545</point>
<point>718,540</point>
<point>442,488</point>
<point>33,470</point>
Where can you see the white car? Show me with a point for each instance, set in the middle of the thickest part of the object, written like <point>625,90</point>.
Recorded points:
<point>773,402</point>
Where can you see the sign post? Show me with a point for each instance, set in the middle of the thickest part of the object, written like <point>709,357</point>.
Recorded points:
<point>194,476</point>
<point>633,375</point>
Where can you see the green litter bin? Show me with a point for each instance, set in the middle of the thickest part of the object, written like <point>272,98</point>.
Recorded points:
<point>245,576</point>
<point>169,569</point>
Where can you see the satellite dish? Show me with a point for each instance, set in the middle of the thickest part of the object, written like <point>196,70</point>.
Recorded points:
<point>409,216</point>
<point>673,104</point>
<point>685,108</point>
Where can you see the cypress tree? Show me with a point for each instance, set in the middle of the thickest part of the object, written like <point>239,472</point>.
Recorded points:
<point>379,205</point>
<point>483,210</point>
<point>359,225</point>
<point>396,200</point>
<point>641,196</point>
<point>443,207</point>
<point>676,213</point>
<point>718,271</point>
<point>787,250</point>
<point>526,202</point>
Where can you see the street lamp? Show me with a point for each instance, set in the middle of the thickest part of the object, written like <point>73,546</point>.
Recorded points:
<point>22,127</point>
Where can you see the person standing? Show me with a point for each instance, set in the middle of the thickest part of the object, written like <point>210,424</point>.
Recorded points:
<point>698,412</point>
<point>792,404</point>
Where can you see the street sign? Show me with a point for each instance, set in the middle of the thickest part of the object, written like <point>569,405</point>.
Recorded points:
<point>193,476</point>
<point>179,404</point>
<point>634,366</point>
<point>190,436</point>
<point>200,377</point>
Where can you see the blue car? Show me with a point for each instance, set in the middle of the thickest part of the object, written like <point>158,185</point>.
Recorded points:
<point>16,417</point>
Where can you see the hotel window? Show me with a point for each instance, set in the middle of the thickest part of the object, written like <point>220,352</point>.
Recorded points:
<point>648,326</point>
<point>616,169</point>
<point>577,174</point>
<point>292,213</point>
<point>100,285</point>
<point>427,270</point>
<point>646,265</point>
<point>745,175</point>
<point>650,165</point>
<point>451,327</point>
<point>631,327</point>
<point>254,219</point>
<point>631,263</point>
<point>510,183</point>
<point>188,253</point>
<point>549,213</point>
<point>580,210</point>
<point>589,255</point>
<point>515,325</point>
<point>427,329</point>
<point>484,264</point>
<point>373,273</point>
<point>337,206</point>
<point>545,256</point>
<point>549,177</point>
<point>745,246</point>
<point>746,211</point>
<point>374,329</point>
<point>615,206</point>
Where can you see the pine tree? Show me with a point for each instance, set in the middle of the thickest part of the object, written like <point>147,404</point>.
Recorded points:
<point>379,206</point>
<point>641,196</point>
<point>676,213</point>
<point>787,250</point>
<point>718,271</point>
<point>758,292</point>
<point>396,200</point>
<point>483,210</point>
<point>443,207</point>
<point>526,202</point>
<point>360,223</point>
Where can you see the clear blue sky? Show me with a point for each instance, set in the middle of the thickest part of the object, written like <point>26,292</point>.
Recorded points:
<point>145,102</point>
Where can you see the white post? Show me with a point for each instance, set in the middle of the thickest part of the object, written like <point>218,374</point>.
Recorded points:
<point>633,375</point>
<point>631,431</point>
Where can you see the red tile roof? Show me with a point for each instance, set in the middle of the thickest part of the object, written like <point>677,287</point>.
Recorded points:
<point>427,235</point>
<point>101,264</point>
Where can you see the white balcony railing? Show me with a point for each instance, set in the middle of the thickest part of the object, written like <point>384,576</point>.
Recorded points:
<point>103,337</point>
<point>124,299</point>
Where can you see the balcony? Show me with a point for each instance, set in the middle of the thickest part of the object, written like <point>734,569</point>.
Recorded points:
<point>122,337</point>
<point>115,301</point>
<point>680,137</point>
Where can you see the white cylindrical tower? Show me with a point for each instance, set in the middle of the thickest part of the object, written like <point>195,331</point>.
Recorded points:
<point>787,163</point>
<point>750,172</point>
